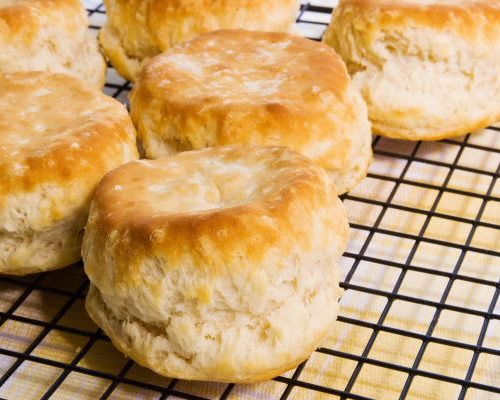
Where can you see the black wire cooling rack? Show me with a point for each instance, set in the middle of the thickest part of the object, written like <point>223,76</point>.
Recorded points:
<point>419,319</point>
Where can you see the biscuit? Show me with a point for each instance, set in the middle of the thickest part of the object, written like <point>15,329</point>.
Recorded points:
<point>254,88</point>
<point>219,264</point>
<point>428,70</point>
<point>58,139</point>
<point>138,29</point>
<point>49,35</point>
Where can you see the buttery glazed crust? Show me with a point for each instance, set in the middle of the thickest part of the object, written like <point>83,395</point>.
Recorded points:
<point>58,139</point>
<point>138,29</point>
<point>427,69</point>
<point>239,87</point>
<point>49,35</point>
<point>198,260</point>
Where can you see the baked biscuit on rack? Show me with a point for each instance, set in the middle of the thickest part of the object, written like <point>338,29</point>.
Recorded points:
<point>239,87</point>
<point>49,35</point>
<point>219,264</point>
<point>427,69</point>
<point>137,29</point>
<point>58,139</point>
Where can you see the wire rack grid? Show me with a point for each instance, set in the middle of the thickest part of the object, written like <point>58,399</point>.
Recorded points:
<point>420,316</point>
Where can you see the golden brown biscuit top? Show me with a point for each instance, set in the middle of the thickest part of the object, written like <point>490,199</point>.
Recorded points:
<point>19,10</point>
<point>204,181</point>
<point>246,67</point>
<point>418,2</point>
<point>475,20</point>
<point>217,205</point>
<point>40,3</point>
<point>53,128</point>
<point>22,20</point>
<point>424,3</point>
<point>5,3</point>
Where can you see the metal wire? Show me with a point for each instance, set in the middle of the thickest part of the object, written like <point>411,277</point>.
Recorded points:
<point>28,285</point>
